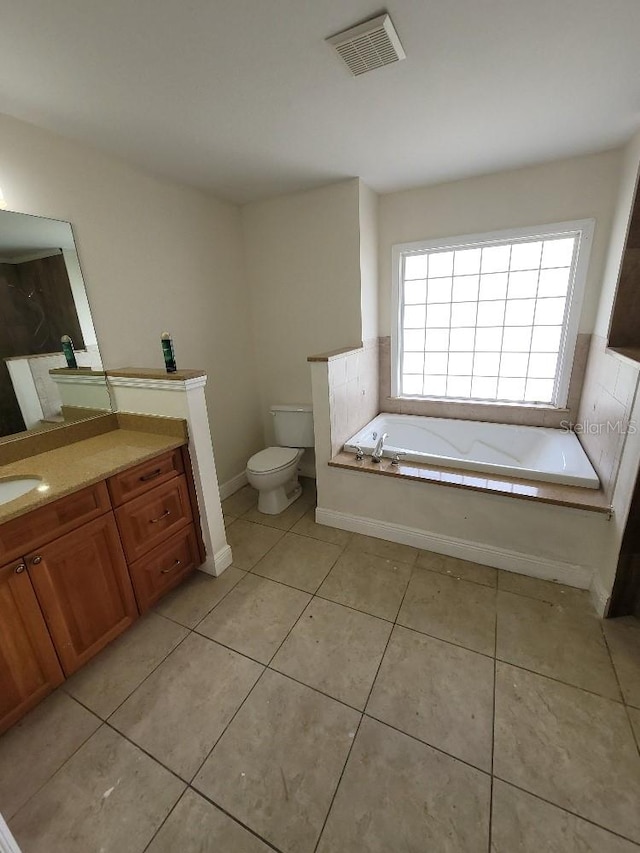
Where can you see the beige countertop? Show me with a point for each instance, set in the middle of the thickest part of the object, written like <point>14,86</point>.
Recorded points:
<point>73,467</point>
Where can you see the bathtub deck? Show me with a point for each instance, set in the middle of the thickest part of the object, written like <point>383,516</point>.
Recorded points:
<point>593,500</point>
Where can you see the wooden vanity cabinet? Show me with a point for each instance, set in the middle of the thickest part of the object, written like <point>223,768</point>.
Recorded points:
<point>83,586</point>
<point>78,572</point>
<point>29,667</point>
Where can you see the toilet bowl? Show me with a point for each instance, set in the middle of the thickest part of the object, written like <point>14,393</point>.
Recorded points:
<point>274,473</point>
<point>274,470</point>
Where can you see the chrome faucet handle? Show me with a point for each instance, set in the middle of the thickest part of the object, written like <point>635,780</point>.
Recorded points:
<point>359,453</point>
<point>396,459</point>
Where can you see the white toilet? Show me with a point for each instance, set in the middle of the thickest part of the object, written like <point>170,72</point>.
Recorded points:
<point>274,470</point>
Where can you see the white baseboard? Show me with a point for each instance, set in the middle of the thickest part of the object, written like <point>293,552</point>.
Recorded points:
<point>488,555</point>
<point>233,485</point>
<point>220,561</point>
<point>8,844</point>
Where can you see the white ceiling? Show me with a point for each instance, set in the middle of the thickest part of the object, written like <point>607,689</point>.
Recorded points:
<point>244,97</point>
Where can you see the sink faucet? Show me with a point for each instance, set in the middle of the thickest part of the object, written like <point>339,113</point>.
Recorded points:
<point>376,456</point>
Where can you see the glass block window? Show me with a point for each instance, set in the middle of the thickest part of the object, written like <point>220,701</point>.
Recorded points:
<point>490,319</point>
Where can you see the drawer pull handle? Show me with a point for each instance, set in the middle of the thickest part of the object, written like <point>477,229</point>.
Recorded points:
<point>177,563</point>
<point>160,517</point>
<point>20,568</point>
<point>151,476</point>
<point>36,560</point>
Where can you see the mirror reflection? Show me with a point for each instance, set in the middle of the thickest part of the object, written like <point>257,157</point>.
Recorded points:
<point>42,298</point>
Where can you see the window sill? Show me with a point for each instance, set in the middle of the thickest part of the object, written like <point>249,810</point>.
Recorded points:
<point>488,404</point>
<point>523,414</point>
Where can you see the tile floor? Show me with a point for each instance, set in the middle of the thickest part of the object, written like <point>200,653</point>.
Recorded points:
<point>338,693</point>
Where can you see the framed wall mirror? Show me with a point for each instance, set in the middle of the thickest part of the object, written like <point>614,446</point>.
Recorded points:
<point>42,297</point>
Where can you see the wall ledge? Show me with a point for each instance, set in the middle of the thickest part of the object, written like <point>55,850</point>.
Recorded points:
<point>336,353</point>
<point>571,497</point>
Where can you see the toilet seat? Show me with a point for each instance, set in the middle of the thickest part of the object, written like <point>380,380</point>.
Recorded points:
<point>272,459</point>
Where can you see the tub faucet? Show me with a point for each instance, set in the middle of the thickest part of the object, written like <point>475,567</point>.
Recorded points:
<point>376,456</point>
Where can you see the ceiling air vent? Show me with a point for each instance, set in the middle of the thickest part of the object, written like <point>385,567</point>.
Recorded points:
<point>369,45</point>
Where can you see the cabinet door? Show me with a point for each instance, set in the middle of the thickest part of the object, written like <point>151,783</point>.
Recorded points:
<point>83,587</point>
<point>29,668</point>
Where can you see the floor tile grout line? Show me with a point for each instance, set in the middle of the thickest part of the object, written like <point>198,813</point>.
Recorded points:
<point>309,592</point>
<point>635,737</point>
<point>315,689</point>
<point>493,719</point>
<point>355,609</point>
<point>426,743</point>
<point>209,612</point>
<point>143,749</point>
<point>559,681</point>
<point>165,819</point>
<point>232,718</point>
<point>237,820</point>
<point>257,563</point>
<point>565,809</point>
<point>510,663</point>
<point>442,640</point>
<point>362,716</point>
<point>67,759</point>
<point>149,674</point>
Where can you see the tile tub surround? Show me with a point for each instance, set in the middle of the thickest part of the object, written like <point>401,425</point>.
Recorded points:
<point>478,519</point>
<point>510,413</point>
<point>354,730</point>
<point>353,389</point>
<point>609,391</point>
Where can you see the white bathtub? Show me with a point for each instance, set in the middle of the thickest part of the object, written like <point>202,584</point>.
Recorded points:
<point>535,453</point>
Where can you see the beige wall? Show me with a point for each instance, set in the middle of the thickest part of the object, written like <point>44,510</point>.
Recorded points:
<point>368,204</point>
<point>576,188</point>
<point>303,266</point>
<point>630,163</point>
<point>155,256</point>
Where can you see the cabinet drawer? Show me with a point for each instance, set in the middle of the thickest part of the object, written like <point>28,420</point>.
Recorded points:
<point>136,481</point>
<point>152,518</point>
<point>164,567</point>
<point>41,525</point>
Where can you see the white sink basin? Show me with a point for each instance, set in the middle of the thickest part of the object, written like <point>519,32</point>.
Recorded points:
<point>12,489</point>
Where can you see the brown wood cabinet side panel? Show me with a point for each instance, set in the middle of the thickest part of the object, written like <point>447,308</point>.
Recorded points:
<point>135,481</point>
<point>83,586</point>
<point>195,509</point>
<point>29,667</point>
<point>152,518</point>
<point>35,528</point>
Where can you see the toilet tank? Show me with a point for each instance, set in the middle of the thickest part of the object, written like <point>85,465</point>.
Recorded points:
<point>293,426</point>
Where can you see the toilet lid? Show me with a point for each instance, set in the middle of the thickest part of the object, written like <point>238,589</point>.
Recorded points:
<point>271,459</point>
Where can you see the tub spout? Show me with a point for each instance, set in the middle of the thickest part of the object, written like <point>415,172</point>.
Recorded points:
<point>376,456</point>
